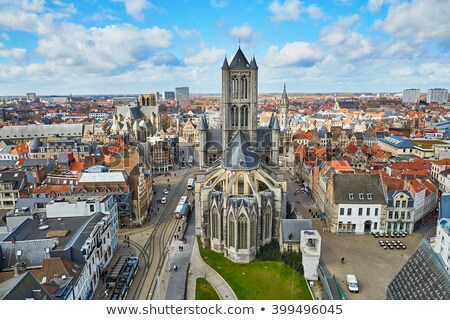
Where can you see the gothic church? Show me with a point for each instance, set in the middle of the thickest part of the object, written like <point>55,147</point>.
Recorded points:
<point>240,193</point>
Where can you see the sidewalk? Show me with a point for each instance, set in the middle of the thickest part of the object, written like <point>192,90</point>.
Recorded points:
<point>181,284</point>
<point>201,269</point>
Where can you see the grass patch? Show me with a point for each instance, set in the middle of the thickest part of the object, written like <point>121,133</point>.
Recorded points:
<point>259,280</point>
<point>204,290</point>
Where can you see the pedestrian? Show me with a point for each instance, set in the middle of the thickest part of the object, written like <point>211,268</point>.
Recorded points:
<point>342,260</point>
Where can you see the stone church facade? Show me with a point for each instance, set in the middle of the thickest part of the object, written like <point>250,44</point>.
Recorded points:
<point>240,194</point>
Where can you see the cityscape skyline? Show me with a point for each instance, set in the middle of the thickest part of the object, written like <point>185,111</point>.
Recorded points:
<point>121,46</point>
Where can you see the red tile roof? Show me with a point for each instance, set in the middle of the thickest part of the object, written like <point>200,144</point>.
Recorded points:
<point>77,166</point>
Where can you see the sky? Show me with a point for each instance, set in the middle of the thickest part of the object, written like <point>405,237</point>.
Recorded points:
<point>140,46</point>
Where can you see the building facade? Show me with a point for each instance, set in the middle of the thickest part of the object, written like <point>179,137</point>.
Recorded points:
<point>411,96</point>
<point>437,95</point>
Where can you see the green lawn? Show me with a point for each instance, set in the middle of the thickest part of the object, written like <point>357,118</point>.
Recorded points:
<point>204,290</point>
<point>259,280</point>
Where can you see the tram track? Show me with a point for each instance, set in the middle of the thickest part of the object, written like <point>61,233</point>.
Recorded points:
<point>155,249</point>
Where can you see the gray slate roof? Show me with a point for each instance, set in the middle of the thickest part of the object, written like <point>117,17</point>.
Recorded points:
<point>344,184</point>
<point>292,227</point>
<point>263,138</point>
<point>392,193</point>
<point>239,61</point>
<point>423,277</point>
<point>33,130</point>
<point>21,288</point>
<point>239,155</point>
<point>214,138</point>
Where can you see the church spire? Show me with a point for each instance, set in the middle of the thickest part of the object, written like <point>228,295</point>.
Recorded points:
<point>225,65</point>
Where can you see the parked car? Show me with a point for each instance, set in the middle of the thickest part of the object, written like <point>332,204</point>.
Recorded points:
<point>165,191</point>
<point>164,200</point>
<point>352,283</point>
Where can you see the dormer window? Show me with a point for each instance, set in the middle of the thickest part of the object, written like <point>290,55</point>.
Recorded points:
<point>350,196</point>
<point>361,196</point>
<point>369,196</point>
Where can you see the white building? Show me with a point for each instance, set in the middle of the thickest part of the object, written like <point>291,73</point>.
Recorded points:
<point>310,245</point>
<point>411,96</point>
<point>358,204</point>
<point>437,95</point>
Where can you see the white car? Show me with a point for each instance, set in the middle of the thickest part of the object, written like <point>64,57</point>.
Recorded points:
<point>352,283</point>
<point>165,191</point>
<point>164,200</point>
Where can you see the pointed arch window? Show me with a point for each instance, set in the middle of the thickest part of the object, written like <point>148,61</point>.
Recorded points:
<point>215,232</point>
<point>267,222</point>
<point>234,116</point>
<point>234,87</point>
<point>242,232</point>
<point>231,230</point>
<point>244,87</point>
<point>241,185</point>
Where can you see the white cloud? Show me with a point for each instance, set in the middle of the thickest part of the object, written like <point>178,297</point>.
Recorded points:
<point>291,10</point>
<point>4,36</point>
<point>343,41</point>
<point>26,21</point>
<point>374,5</point>
<point>243,32</point>
<point>13,53</point>
<point>135,7</point>
<point>293,54</point>
<point>418,21</point>
<point>314,11</point>
<point>218,3</point>
<point>398,49</point>
<point>186,33</point>
<point>103,50</point>
<point>205,57</point>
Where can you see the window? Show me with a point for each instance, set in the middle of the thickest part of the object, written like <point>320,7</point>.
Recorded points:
<point>342,211</point>
<point>402,214</point>
<point>241,185</point>
<point>242,232</point>
<point>349,211</point>
<point>397,204</point>
<point>289,248</point>
<point>396,215</point>
<point>408,215</point>
<point>361,196</point>
<point>369,196</point>
<point>360,210</point>
<point>375,225</point>
<point>368,212</point>
<point>350,196</point>
<point>376,212</point>
<point>91,208</point>
<point>390,214</point>
<point>404,204</point>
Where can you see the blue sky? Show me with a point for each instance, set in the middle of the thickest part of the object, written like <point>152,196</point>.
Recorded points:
<point>139,46</point>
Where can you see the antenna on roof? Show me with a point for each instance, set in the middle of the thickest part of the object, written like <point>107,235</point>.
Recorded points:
<point>239,41</point>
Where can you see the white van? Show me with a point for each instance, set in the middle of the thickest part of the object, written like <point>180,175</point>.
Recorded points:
<point>352,283</point>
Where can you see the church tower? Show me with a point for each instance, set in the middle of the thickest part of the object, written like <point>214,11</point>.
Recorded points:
<point>284,109</point>
<point>239,98</point>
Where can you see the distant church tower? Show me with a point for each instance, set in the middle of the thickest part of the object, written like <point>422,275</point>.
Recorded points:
<point>239,98</point>
<point>284,109</point>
